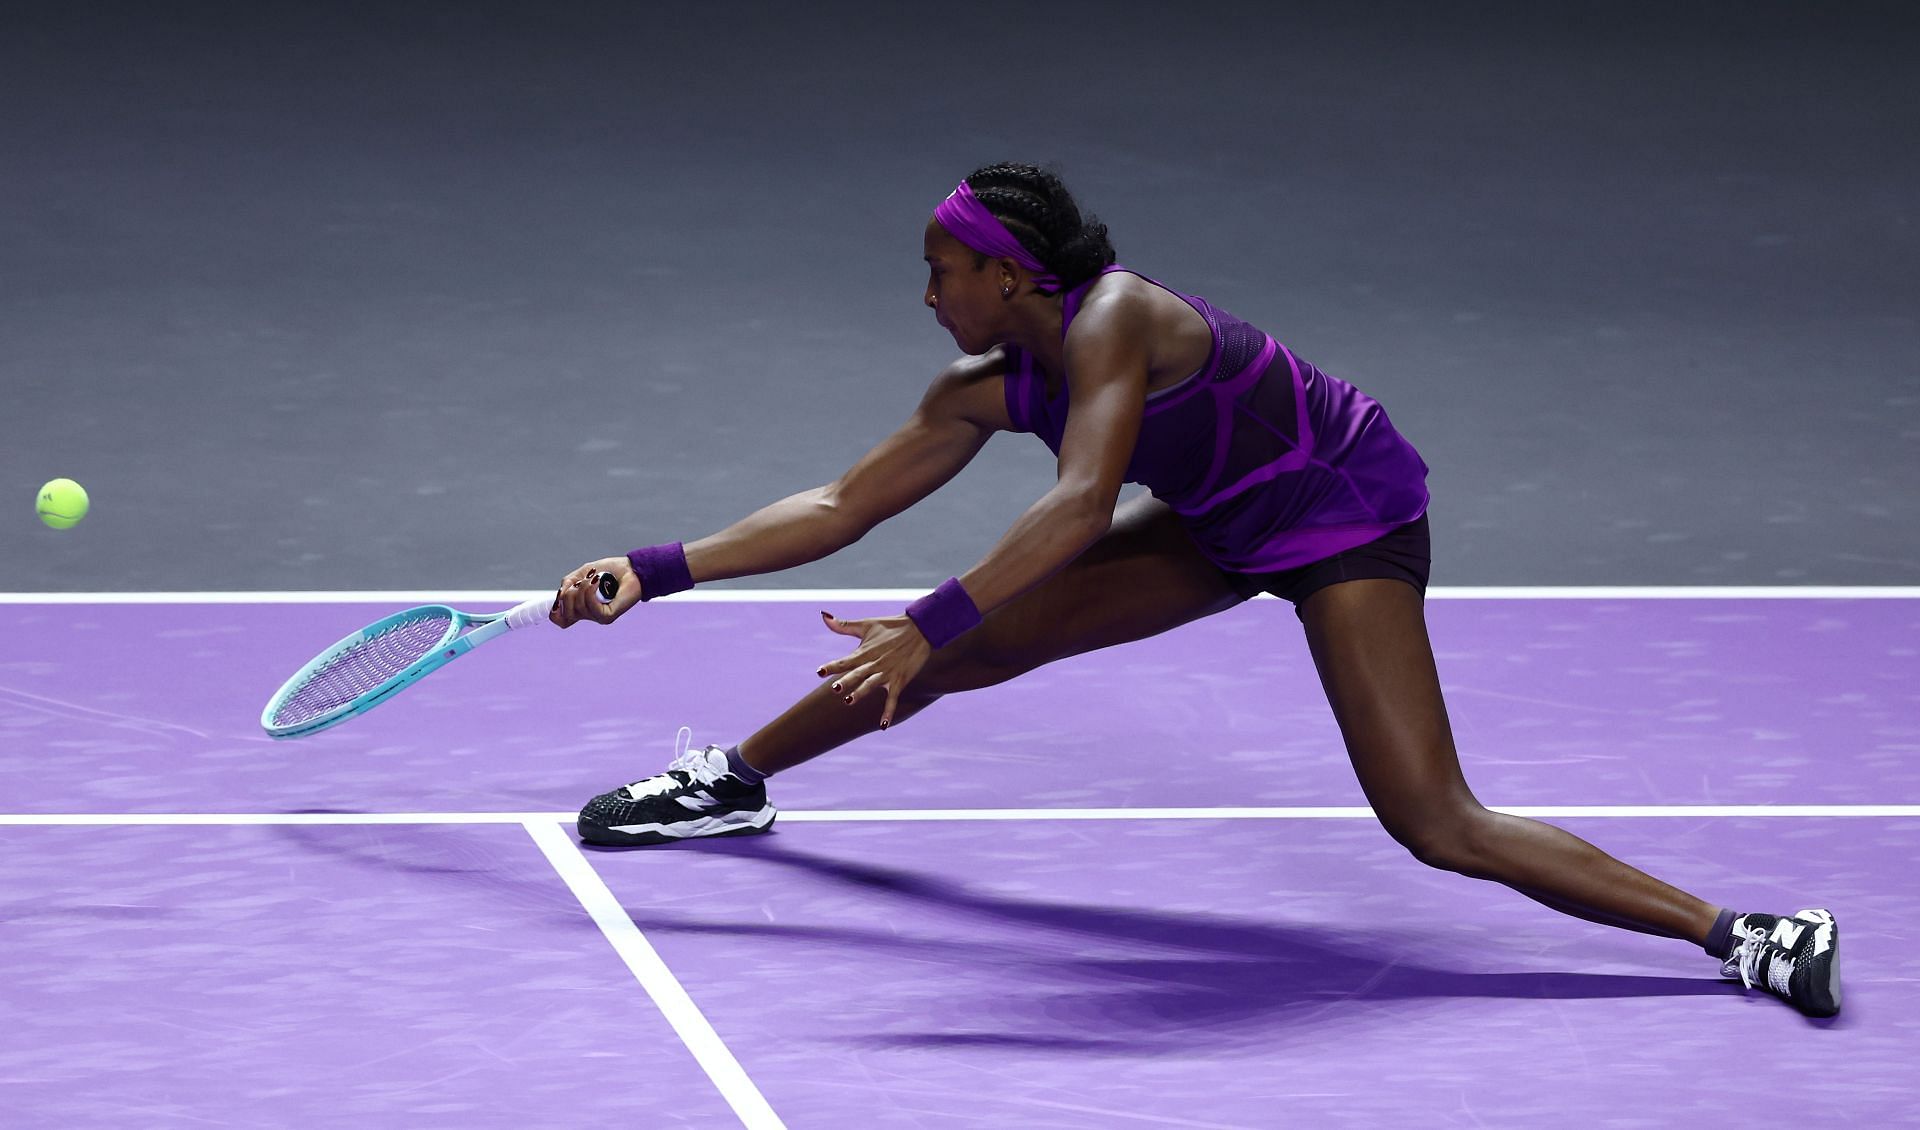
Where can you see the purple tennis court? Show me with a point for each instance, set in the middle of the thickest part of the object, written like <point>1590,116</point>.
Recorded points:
<point>1600,317</point>
<point>1157,902</point>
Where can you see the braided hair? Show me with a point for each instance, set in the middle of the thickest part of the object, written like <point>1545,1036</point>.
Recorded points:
<point>1040,212</point>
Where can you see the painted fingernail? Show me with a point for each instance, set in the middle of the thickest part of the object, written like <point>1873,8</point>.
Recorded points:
<point>820,671</point>
<point>835,688</point>
<point>849,700</point>
<point>883,723</point>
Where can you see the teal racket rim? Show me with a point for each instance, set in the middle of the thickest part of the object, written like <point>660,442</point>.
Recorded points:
<point>362,670</point>
<point>368,667</point>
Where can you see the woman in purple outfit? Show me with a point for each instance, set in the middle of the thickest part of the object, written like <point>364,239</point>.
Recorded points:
<point>1266,474</point>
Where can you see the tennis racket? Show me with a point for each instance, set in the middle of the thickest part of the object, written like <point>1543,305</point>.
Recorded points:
<point>387,656</point>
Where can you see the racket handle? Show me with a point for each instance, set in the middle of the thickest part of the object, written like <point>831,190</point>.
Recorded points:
<point>532,612</point>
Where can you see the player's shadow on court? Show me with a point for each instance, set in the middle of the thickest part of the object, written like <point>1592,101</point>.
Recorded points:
<point>445,854</point>
<point>1072,977</point>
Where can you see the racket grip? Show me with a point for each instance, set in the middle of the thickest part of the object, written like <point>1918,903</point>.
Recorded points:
<point>607,588</point>
<point>532,612</point>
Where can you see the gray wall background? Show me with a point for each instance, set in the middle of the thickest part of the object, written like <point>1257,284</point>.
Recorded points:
<point>327,295</point>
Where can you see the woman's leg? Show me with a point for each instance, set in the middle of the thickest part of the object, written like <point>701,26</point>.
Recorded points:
<point>1143,577</point>
<point>1369,643</point>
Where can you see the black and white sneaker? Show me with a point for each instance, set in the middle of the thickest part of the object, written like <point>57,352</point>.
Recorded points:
<point>697,797</point>
<point>1796,959</point>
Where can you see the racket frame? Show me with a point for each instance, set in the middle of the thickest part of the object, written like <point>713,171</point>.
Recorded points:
<point>452,645</point>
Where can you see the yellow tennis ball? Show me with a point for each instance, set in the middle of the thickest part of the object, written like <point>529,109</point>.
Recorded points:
<point>63,503</point>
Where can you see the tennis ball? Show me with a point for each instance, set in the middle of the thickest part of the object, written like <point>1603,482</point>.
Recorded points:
<point>63,503</point>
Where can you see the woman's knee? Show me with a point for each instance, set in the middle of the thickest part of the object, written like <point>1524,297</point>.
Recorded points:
<point>984,657</point>
<point>1450,836</point>
<point>1142,577</point>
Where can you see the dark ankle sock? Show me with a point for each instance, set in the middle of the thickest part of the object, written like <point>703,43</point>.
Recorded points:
<point>738,766</point>
<point>1720,939</point>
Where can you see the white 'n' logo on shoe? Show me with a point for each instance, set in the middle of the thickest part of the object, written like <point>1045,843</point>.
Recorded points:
<point>1822,922</point>
<point>1786,932</point>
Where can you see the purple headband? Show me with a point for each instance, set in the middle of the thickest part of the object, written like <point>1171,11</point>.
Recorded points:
<point>967,220</point>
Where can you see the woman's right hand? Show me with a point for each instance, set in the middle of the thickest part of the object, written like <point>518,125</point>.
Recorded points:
<point>578,598</point>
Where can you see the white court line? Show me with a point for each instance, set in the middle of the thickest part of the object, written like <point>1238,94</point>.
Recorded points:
<point>654,976</point>
<point>1677,592</point>
<point>1341,812</point>
<point>958,815</point>
<point>810,596</point>
<point>199,819</point>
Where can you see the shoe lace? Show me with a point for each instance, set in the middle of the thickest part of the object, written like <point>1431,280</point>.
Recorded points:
<point>1758,951</point>
<point>679,772</point>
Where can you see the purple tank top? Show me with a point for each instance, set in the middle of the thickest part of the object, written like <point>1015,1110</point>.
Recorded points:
<point>1271,463</point>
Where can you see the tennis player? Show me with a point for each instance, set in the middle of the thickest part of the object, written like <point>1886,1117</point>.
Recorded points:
<point>1267,475</point>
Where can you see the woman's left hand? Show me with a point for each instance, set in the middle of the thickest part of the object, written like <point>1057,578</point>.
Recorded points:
<point>891,652</point>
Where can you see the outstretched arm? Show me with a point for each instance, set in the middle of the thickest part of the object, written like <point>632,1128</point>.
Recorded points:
<point>943,436</point>
<point>1108,391</point>
<point>1107,362</point>
<point>960,411</point>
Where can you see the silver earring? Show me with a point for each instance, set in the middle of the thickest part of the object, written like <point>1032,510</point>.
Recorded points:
<point>1006,292</point>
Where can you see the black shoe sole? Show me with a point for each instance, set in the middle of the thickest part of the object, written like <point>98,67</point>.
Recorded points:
<point>608,837</point>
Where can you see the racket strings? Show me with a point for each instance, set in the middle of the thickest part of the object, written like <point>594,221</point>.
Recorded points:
<point>363,667</point>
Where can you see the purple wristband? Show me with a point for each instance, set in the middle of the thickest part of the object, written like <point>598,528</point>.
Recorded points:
<point>945,614</point>
<point>662,569</point>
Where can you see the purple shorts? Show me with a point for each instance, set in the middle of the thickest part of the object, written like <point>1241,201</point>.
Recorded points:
<point>1401,554</point>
